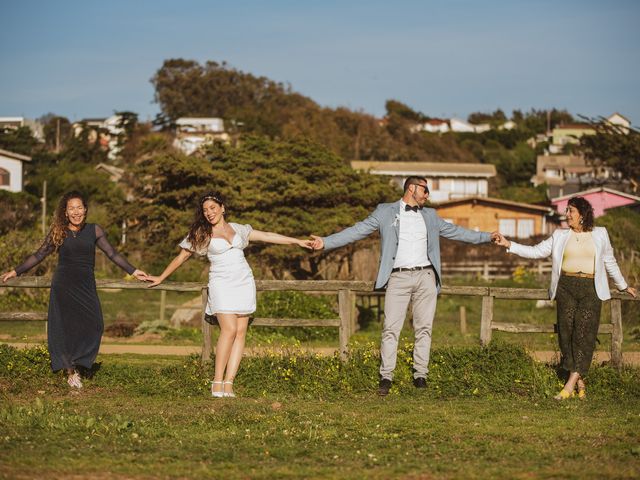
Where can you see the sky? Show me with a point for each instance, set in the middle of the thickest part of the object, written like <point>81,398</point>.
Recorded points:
<point>84,59</point>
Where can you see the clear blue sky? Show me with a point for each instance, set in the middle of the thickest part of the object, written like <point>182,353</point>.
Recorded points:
<point>444,58</point>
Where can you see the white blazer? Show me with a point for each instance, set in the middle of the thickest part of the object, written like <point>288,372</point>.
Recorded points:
<point>554,246</point>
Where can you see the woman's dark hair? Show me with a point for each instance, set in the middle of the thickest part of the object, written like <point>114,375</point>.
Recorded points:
<point>200,230</point>
<point>585,210</point>
<point>60,222</point>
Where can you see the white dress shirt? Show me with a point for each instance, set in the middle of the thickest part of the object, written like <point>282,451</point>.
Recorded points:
<point>412,240</point>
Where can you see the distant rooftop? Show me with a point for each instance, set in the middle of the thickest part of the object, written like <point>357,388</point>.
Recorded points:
<point>432,169</point>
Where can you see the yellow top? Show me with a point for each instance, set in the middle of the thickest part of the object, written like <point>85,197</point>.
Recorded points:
<point>579,253</point>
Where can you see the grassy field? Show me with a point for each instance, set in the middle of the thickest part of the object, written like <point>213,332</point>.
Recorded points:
<point>151,417</point>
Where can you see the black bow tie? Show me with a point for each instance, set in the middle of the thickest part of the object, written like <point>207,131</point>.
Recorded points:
<point>409,207</point>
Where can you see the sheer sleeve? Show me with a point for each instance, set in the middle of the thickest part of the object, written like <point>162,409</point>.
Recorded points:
<point>34,259</point>
<point>114,256</point>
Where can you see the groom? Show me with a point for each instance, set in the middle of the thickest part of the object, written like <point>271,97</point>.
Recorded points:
<point>409,269</point>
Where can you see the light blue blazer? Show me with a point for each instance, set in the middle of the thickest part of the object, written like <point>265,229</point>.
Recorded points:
<point>386,219</point>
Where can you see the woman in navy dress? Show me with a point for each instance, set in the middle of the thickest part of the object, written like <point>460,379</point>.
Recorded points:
<point>75,323</point>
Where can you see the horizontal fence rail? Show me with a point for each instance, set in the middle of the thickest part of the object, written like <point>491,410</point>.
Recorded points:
<point>347,313</point>
<point>494,270</point>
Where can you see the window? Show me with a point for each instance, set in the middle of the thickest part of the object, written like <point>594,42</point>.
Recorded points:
<point>482,187</point>
<point>471,187</point>
<point>434,184</point>
<point>446,185</point>
<point>525,228</point>
<point>5,178</point>
<point>507,227</point>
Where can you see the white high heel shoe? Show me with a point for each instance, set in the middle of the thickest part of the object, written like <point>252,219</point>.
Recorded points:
<point>219,394</point>
<point>228,394</point>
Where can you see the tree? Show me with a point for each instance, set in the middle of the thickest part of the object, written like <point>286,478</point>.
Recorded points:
<point>615,147</point>
<point>496,118</point>
<point>294,187</point>
<point>19,211</point>
<point>401,110</point>
<point>18,140</point>
<point>57,131</point>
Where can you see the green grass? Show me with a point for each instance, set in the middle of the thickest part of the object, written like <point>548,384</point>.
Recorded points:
<point>151,417</point>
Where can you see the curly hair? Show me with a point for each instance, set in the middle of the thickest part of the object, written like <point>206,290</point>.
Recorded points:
<point>585,209</point>
<point>200,230</point>
<point>60,222</point>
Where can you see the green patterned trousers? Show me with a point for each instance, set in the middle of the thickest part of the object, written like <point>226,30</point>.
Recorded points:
<point>578,320</point>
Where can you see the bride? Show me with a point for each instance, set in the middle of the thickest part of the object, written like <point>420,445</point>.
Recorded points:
<point>232,290</point>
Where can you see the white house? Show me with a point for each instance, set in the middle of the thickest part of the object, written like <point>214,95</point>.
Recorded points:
<point>193,132</point>
<point>16,122</point>
<point>104,130</point>
<point>619,120</point>
<point>458,125</point>
<point>11,177</point>
<point>435,125</point>
<point>447,181</point>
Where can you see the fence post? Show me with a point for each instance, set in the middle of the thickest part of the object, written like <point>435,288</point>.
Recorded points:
<point>485,271</point>
<point>463,320</point>
<point>616,333</point>
<point>163,304</point>
<point>345,306</point>
<point>206,329</point>
<point>354,312</point>
<point>486,319</point>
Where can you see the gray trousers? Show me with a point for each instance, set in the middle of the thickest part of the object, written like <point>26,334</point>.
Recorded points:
<point>418,287</point>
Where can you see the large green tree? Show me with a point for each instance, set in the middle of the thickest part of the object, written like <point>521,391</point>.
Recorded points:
<point>615,147</point>
<point>292,187</point>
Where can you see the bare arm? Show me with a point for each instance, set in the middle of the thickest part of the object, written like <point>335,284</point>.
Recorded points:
<point>271,237</point>
<point>182,257</point>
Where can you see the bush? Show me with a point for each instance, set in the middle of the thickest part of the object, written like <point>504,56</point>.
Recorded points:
<point>497,370</point>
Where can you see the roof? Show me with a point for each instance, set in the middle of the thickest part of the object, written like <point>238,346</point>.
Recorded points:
<point>92,120</point>
<point>436,121</point>
<point>12,119</point>
<point>426,168</point>
<point>15,156</point>
<point>197,120</point>
<point>561,161</point>
<point>110,169</point>
<point>597,190</point>
<point>618,114</point>
<point>496,201</point>
<point>574,126</point>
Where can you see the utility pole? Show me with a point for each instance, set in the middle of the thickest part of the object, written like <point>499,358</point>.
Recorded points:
<point>43,200</point>
<point>58,135</point>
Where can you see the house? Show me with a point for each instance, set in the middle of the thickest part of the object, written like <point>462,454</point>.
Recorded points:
<point>13,123</point>
<point>512,219</point>
<point>508,125</point>
<point>105,131</point>
<point>569,174</point>
<point>115,173</point>
<point>11,170</point>
<point>571,133</point>
<point>446,181</point>
<point>601,198</point>
<point>458,125</point>
<point>620,121</point>
<point>435,125</point>
<point>193,132</point>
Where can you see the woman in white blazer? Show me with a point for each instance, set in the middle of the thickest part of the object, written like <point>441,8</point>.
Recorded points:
<point>582,257</point>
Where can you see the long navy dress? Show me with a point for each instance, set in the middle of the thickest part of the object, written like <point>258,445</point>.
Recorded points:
<point>75,316</point>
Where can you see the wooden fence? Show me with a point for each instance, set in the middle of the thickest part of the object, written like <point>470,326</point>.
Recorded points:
<point>347,321</point>
<point>489,270</point>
